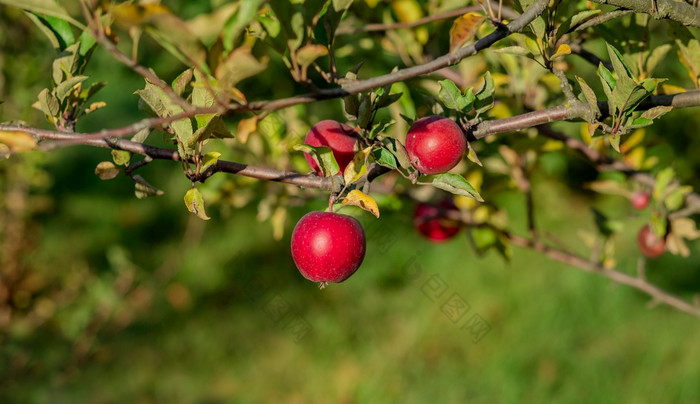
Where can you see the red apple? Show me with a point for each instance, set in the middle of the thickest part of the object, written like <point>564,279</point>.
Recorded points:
<point>649,243</point>
<point>328,247</point>
<point>339,137</point>
<point>432,222</point>
<point>435,144</point>
<point>639,200</point>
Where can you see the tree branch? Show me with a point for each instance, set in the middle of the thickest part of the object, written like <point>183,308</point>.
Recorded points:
<point>506,12</point>
<point>658,294</point>
<point>668,9</point>
<point>159,153</point>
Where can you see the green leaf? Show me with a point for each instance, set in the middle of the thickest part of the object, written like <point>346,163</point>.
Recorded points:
<point>483,238</point>
<point>688,49</point>
<point>395,147</point>
<point>142,189</point>
<point>457,185</point>
<point>209,160</point>
<point>514,50</point>
<point>657,112</point>
<point>195,203</point>
<point>46,7</point>
<point>576,20</point>
<point>57,30</point>
<point>609,83</point>
<point>141,135</point>
<point>607,78</point>
<point>364,112</point>
<point>352,104</point>
<point>385,158</point>
<point>63,89</point>
<point>591,99</point>
<point>663,178</point>
<point>657,56</point>
<point>121,157</point>
<point>618,63</point>
<point>238,66</point>
<point>48,103</point>
<point>484,98</point>
<point>181,82</point>
<point>386,99</point>
<point>106,170</point>
<point>641,122</point>
<point>675,198</point>
<point>163,106</point>
<point>323,155</point>
<point>246,13</point>
<point>615,141</point>
<point>450,95</point>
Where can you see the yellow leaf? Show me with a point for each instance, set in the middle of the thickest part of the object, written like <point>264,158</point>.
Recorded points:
<point>309,53</point>
<point>106,170</point>
<point>17,141</point>
<point>195,203</point>
<point>635,158</point>
<point>246,127</point>
<point>357,167</point>
<point>362,200</point>
<point>407,10</point>
<point>671,89</point>
<point>464,29</point>
<point>562,50</point>
<point>632,140</point>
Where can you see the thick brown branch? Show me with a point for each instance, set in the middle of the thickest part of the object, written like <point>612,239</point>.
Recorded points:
<point>159,153</point>
<point>668,9</point>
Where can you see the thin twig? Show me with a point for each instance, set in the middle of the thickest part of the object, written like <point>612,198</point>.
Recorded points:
<point>151,77</point>
<point>601,19</point>
<point>640,284</point>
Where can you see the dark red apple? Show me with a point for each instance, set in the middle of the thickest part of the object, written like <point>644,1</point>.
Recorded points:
<point>649,243</point>
<point>639,199</point>
<point>339,137</point>
<point>435,144</point>
<point>328,247</point>
<point>432,221</point>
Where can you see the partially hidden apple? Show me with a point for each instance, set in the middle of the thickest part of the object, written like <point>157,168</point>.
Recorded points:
<point>432,221</point>
<point>639,199</point>
<point>328,247</point>
<point>340,138</point>
<point>435,144</point>
<point>649,243</point>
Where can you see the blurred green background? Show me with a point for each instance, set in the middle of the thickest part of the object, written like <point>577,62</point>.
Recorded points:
<point>128,300</point>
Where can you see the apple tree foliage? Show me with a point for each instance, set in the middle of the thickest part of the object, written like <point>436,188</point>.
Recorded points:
<point>246,79</point>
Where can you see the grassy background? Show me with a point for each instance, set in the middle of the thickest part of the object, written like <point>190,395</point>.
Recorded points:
<point>556,334</point>
<point>208,309</point>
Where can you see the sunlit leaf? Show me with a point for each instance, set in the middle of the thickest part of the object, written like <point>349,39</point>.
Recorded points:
<point>106,170</point>
<point>195,203</point>
<point>362,200</point>
<point>17,141</point>
<point>309,53</point>
<point>47,7</point>
<point>457,185</point>
<point>209,159</point>
<point>357,167</point>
